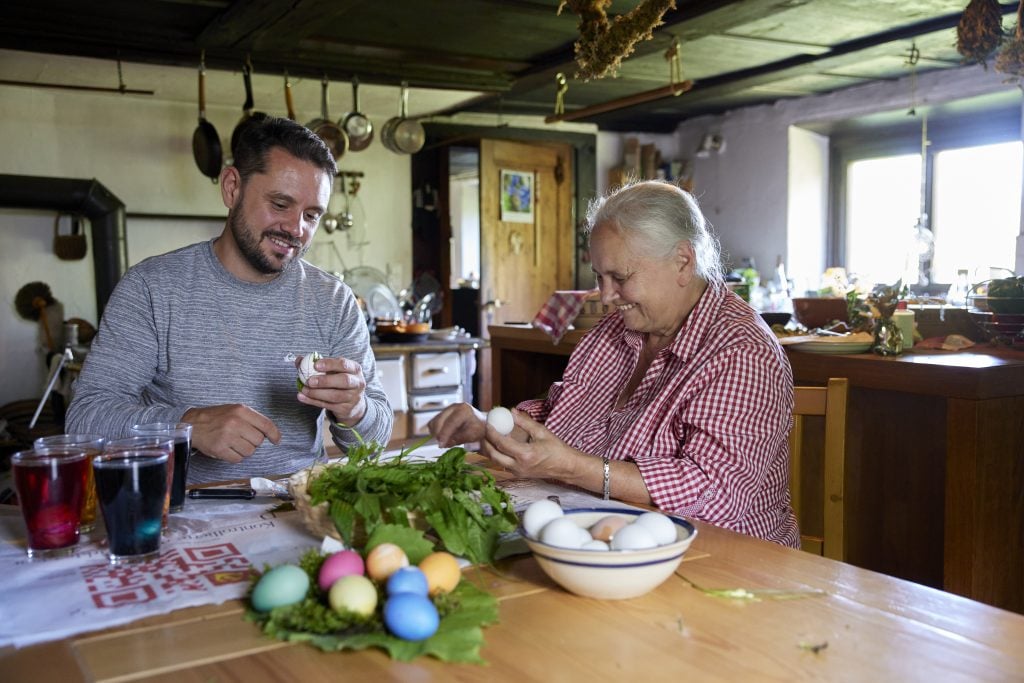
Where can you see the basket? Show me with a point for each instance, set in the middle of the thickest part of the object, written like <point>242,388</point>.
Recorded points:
<point>317,518</point>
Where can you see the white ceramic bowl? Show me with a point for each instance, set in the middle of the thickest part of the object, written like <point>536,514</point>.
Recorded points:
<point>611,574</point>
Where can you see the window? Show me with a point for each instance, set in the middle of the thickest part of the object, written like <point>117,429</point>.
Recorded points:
<point>971,196</point>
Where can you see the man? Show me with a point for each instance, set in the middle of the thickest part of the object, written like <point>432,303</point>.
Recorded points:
<point>209,334</point>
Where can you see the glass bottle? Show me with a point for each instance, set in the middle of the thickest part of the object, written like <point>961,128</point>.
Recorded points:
<point>957,294</point>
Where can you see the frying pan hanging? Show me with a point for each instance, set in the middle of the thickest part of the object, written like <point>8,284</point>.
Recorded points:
<point>403,135</point>
<point>288,101</point>
<point>357,125</point>
<point>206,147</point>
<point>247,112</point>
<point>328,131</point>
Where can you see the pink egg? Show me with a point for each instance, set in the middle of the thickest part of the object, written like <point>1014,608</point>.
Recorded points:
<point>338,565</point>
<point>604,528</point>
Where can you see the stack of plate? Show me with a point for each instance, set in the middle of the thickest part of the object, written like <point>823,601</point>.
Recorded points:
<point>860,342</point>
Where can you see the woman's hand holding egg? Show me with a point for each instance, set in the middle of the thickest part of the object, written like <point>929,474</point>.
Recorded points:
<point>541,455</point>
<point>457,424</point>
<point>336,384</point>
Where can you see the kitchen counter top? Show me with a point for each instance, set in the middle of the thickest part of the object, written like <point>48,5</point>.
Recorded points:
<point>430,345</point>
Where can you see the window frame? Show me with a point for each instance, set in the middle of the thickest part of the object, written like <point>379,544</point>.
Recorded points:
<point>851,143</point>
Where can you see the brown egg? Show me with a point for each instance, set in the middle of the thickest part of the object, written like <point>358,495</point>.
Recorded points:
<point>604,528</point>
<point>384,560</point>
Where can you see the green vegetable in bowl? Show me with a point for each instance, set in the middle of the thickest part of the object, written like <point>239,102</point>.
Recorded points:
<point>1006,295</point>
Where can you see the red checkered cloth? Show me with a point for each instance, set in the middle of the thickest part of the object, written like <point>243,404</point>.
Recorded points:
<point>555,317</point>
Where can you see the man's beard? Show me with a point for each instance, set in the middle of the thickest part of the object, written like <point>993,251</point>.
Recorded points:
<point>249,244</point>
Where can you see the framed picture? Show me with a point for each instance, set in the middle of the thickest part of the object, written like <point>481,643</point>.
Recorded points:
<point>517,196</point>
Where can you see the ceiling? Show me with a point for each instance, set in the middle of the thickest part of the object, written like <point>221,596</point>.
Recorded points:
<point>491,56</point>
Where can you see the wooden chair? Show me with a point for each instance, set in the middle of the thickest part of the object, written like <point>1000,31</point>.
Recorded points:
<point>830,403</point>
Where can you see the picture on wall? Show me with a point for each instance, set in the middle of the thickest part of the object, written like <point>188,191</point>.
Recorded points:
<point>517,198</point>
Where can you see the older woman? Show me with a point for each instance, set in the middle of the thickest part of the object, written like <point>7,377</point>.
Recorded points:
<point>681,398</point>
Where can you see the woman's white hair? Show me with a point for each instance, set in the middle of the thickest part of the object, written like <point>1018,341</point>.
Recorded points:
<point>656,216</point>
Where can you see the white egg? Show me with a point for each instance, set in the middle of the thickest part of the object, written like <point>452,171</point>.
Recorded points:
<point>660,526</point>
<point>501,419</point>
<point>538,515</point>
<point>633,537</point>
<point>564,533</point>
<point>306,369</point>
<point>594,544</point>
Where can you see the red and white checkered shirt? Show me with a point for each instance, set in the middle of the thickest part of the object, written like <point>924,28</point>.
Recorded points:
<point>708,425</point>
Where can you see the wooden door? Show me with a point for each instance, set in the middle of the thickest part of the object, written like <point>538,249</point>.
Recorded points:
<point>523,262</point>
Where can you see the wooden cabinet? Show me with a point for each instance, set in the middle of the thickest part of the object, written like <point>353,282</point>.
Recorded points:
<point>422,379</point>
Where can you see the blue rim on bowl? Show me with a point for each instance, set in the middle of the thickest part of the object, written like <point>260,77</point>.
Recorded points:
<point>613,574</point>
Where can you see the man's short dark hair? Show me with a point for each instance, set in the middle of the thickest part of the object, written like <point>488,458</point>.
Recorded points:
<point>261,133</point>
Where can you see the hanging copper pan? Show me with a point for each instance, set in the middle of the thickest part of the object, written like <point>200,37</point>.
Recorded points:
<point>328,131</point>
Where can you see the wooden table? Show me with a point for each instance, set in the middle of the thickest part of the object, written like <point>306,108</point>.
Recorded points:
<point>934,465</point>
<point>866,627</point>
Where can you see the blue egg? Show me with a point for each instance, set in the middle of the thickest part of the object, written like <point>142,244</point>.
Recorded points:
<point>411,617</point>
<point>282,585</point>
<point>408,580</point>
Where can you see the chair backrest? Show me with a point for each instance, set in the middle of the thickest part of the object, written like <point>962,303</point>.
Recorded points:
<point>829,402</point>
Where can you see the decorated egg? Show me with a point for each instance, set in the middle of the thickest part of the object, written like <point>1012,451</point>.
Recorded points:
<point>353,593</point>
<point>501,419</point>
<point>633,537</point>
<point>408,580</point>
<point>384,560</point>
<point>538,514</point>
<point>660,526</point>
<point>283,585</point>
<point>410,616</point>
<point>339,564</point>
<point>442,572</point>
<point>307,369</point>
<point>604,529</point>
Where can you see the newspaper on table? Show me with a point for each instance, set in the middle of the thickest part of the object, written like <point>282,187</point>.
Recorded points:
<point>206,557</point>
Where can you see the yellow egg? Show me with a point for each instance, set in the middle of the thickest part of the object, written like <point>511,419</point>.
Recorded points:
<point>604,528</point>
<point>384,560</point>
<point>442,572</point>
<point>353,593</point>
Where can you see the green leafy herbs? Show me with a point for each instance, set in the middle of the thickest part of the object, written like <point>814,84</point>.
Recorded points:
<point>464,612</point>
<point>396,500</point>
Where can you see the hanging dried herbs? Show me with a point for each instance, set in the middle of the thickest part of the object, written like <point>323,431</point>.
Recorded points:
<point>1010,59</point>
<point>603,44</point>
<point>980,30</point>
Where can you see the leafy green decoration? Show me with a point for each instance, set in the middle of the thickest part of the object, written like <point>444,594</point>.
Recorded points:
<point>461,503</point>
<point>464,612</point>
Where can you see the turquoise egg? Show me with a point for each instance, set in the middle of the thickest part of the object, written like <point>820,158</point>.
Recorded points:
<point>282,585</point>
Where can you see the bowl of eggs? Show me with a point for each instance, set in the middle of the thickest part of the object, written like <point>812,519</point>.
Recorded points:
<point>605,553</point>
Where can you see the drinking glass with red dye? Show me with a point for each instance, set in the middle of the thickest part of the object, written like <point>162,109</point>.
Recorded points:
<point>51,488</point>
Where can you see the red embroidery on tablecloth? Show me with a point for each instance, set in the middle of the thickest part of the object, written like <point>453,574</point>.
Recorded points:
<point>175,571</point>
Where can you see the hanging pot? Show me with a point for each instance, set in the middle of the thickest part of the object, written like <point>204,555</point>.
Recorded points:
<point>247,112</point>
<point>328,131</point>
<point>401,134</point>
<point>357,125</point>
<point>206,147</point>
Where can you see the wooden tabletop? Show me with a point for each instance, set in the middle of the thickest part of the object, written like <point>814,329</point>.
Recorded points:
<point>864,626</point>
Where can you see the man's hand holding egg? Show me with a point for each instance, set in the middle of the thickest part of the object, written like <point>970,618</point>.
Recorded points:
<point>336,384</point>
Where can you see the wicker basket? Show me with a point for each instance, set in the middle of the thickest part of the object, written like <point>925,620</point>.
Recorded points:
<point>317,517</point>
